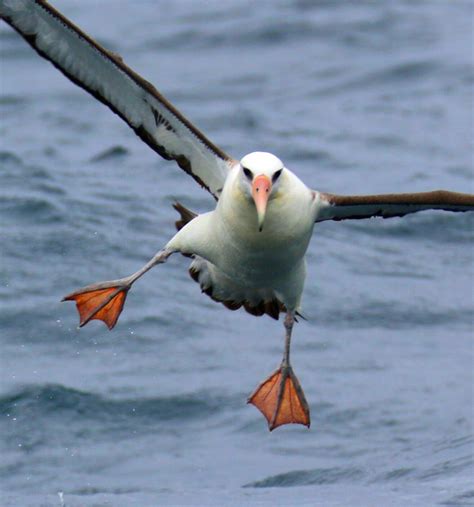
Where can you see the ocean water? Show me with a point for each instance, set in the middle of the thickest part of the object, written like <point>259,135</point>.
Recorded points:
<point>354,97</point>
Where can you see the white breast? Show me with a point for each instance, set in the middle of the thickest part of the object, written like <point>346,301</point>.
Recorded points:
<point>272,259</point>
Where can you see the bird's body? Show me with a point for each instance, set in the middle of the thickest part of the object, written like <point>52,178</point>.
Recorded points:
<point>241,262</point>
<point>250,251</point>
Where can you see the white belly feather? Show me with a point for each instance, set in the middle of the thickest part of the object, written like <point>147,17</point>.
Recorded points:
<point>237,263</point>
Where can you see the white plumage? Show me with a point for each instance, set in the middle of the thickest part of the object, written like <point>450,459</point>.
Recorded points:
<point>243,262</point>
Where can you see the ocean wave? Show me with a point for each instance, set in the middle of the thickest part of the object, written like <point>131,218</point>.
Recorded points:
<point>310,477</point>
<point>463,499</point>
<point>30,208</point>
<point>396,474</point>
<point>113,153</point>
<point>448,467</point>
<point>392,315</point>
<point>8,157</point>
<point>13,100</point>
<point>55,401</point>
<point>437,227</point>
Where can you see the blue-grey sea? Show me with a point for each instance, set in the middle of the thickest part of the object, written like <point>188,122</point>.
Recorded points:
<point>355,97</point>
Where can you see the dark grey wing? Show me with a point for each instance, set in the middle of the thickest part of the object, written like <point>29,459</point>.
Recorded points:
<point>104,75</point>
<point>343,207</point>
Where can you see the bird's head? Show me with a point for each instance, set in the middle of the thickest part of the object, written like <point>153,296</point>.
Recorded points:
<point>260,177</point>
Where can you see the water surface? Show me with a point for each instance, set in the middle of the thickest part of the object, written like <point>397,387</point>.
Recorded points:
<point>355,97</point>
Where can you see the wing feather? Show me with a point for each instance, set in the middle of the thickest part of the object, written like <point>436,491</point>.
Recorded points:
<point>105,76</point>
<point>343,207</point>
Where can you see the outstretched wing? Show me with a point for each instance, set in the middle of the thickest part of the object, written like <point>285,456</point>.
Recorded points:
<point>105,76</point>
<point>342,207</point>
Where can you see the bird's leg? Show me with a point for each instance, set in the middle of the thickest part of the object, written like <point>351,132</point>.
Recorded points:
<point>104,300</point>
<point>280,397</point>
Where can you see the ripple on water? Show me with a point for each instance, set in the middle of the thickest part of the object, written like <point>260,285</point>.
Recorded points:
<point>110,154</point>
<point>59,404</point>
<point>12,100</point>
<point>455,228</point>
<point>316,476</point>
<point>395,474</point>
<point>448,467</point>
<point>7,157</point>
<point>276,33</point>
<point>28,208</point>
<point>464,499</point>
<point>393,315</point>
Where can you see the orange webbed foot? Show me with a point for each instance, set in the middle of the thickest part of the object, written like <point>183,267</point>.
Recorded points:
<point>101,301</point>
<point>281,399</point>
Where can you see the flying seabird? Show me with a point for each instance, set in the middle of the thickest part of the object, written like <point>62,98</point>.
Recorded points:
<point>250,250</point>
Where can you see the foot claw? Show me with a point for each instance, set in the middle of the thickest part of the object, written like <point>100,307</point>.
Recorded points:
<point>281,399</point>
<point>103,304</point>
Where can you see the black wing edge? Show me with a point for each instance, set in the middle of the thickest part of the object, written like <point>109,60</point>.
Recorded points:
<point>345,207</point>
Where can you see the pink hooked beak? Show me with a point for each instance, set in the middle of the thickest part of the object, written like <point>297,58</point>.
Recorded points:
<point>261,187</point>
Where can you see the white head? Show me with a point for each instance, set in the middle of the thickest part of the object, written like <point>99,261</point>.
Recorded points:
<point>260,176</point>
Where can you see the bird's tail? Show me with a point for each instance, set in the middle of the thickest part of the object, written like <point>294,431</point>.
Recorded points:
<point>186,215</point>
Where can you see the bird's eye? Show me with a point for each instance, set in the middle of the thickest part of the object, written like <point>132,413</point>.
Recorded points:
<point>276,175</point>
<point>248,173</point>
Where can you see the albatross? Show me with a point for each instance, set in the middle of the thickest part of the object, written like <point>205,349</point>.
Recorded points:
<point>250,250</point>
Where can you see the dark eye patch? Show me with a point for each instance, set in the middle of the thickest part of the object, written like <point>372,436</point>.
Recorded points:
<point>248,173</point>
<point>276,175</point>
